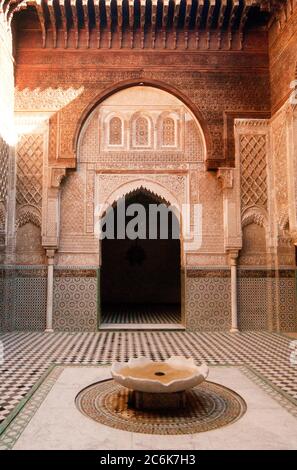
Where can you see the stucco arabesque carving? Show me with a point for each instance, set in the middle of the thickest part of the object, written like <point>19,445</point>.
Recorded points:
<point>256,215</point>
<point>49,99</point>
<point>251,123</point>
<point>28,214</point>
<point>175,184</point>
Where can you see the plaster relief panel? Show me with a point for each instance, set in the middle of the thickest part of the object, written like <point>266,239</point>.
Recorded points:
<point>28,244</point>
<point>141,125</point>
<point>72,204</point>
<point>254,246</point>
<point>253,170</point>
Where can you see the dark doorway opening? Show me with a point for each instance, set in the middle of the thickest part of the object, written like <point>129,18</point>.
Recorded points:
<point>141,278</point>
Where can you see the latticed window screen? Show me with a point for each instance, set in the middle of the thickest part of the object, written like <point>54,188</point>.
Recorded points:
<point>168,132</point>
<point>115,131</point>
<point>141,132</point>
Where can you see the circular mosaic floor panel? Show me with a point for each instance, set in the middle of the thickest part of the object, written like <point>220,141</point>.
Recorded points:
<point>209,406</point>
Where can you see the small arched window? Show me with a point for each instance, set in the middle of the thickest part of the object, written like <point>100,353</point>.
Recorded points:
<point>168,132</point>
<point>141,132</point>
<point>115,131</point>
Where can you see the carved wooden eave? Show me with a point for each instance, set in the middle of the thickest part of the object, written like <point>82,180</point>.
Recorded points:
<point>9,7</point>
<point>151,23</point>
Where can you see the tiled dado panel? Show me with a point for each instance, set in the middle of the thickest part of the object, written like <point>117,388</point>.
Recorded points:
<point>267,297</point>
<point>253,300</point>
<point>208,302</point>
<point>23,298</point>
<point>287,295</point>
<point>75,299</point>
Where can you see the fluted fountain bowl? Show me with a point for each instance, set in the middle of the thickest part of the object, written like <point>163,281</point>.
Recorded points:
<point>176,374</point>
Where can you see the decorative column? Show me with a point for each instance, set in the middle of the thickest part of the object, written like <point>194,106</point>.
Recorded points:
<point>230,181</point>
<point>50,290</point>
<point>234,314</point>
<point>50,238</point>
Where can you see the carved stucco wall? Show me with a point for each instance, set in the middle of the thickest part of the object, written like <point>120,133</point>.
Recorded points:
<point>252,144</point>
<point>280,170</point>
<point>180,173</point>
<point>30,154</point>
<point>6,124</point>
<point>209,90</point>
<point>4,159</point>
<point>283,58</point>
<point>174,172</point>
<point>267,290</point>
<point>177,174</point>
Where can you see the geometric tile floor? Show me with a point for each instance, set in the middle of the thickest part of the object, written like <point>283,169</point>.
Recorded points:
<point>50,420</point>
<point>153,314</point>
<point>28,355</point>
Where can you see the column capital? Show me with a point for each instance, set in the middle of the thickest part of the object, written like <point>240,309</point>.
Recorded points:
<point>293,235</point>
<point>233,255</point>
<point>50,252</point>
<point>226,176</point>
<point>56,176</point>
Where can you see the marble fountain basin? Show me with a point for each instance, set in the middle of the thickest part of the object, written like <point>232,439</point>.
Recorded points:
<point>176,374</point>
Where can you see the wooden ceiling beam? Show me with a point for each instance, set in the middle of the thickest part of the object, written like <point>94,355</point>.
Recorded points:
<point>86,22</point>
<point>75,21</point>
<point>64,21</point>
<point>164,22</point>
<point>220,22</point>
<point>97,8</point>
<point>38,5</point>
<point>199,14</point>
<point>209,19</point>
<point>244,16</point>
<point>177,8</point>
<point>211,7</point>
<point>12,7</point>
<point>54,26</point>
<point>51,15</point>
<point>108,22</point>
<point>120,22</point>
<point>153,22</point>
<point>188,14</point>
<point>232,18</point>
<point>131,22</point>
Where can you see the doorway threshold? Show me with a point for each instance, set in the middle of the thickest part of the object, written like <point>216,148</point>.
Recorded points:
<point>141,326</point>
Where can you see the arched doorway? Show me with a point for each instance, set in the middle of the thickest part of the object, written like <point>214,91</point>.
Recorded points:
<point>140,136</point>
<point>141,277</point>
